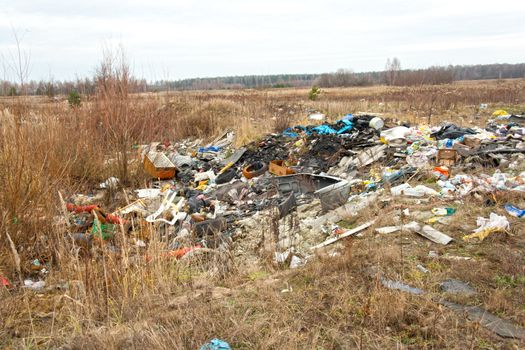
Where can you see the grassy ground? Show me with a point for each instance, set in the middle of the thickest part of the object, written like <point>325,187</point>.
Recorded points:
<point>119,300</point>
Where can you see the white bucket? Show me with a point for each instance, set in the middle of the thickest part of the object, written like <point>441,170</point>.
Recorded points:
<point>377,123</point>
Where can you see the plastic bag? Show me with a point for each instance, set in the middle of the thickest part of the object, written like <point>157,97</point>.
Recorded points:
<point>495,223</point>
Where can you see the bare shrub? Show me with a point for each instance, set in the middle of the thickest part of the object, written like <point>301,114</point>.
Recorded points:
<point>117,122</point>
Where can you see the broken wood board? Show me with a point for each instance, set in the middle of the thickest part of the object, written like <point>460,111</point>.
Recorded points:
<point>343,235</point>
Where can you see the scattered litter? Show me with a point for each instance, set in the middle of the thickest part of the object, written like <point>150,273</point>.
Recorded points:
<point>407,190</point>
<point>254,170</point>
<point>296,262</point>
<point>159,166</point>
<point>451,131</point>
<point>377,123</point>
<point>140,243</point>
<point>278,167</point>
<point>148,192</point>
<point>499,113</point>
<point>317,116</point>
<point>370,155</point>
<point>208,198</point>
<point>426,231</point>
<point>333,192</point>
<point>30,284</point>
<point>433,254</point>
<point>181,162</point>
<point>110,183</point>
<point>291,192</point>
<point>422,268</point>
<point>388,229</point>
<point>456,287</point>
<point>474,313</point>
<point>234,158</point>
<point>429,233</point>
<point>441,172</point>
<point>4,282</point>
<point>390,284</point>
<point>447,157</point>
<point>495,223</point>
<point>395,136</point>
<point>288,257</point>
<point>443,211</point>
<point>441,215</point>
<point>514,211</point>
<point>486,319</point>
<point>216,344</point>
<point>288,289</point>
<point>344,235</point>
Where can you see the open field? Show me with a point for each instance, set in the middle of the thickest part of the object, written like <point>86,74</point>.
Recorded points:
<point>136,298</point>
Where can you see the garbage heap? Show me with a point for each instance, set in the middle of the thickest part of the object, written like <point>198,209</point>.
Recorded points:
<point>284,193</point>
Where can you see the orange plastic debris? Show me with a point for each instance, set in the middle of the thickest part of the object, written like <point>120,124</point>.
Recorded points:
<point>4,282</point>
<point>179,253</point>
<point>81,208</point>
<point>443,171</point>
<point>102,216</point>
<point>277,167</point>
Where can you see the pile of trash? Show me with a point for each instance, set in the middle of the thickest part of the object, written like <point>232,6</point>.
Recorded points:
<point>287,195</point>
<point>218,197</point>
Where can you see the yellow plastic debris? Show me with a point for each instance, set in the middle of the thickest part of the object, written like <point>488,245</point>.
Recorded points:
<point>202,185</point>
<point>226,167</point>
<point>500,112</point>
<point>433,220</point>
<point>483,234</point>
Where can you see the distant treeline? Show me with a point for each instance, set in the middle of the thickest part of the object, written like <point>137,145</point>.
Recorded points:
<point>392,75</point>
<point>238,82</point>
<point>341,78</point>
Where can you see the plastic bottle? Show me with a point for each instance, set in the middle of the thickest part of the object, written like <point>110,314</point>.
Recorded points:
<point>443,211</point>
<point>377,123</point>
<point>514,211</point>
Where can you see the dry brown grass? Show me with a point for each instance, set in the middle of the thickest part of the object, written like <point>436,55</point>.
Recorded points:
<point>122,299</point>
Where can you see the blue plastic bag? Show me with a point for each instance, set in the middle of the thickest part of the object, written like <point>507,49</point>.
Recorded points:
<point>288,132</point>
<point>216,344</point>
<point>348,126</point>
<point>324,130</point>
<point>209,149</point>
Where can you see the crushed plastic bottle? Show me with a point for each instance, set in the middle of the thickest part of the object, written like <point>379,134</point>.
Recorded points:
<point>514,211</point>
<point>443,211</point>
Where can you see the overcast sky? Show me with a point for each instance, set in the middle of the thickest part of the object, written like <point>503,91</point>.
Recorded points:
<point>172,39</point>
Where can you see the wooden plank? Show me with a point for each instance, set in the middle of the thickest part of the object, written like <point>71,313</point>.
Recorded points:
<point>344,235</point>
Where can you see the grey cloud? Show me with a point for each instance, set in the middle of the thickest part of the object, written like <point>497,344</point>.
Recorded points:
<point>211,38</point>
